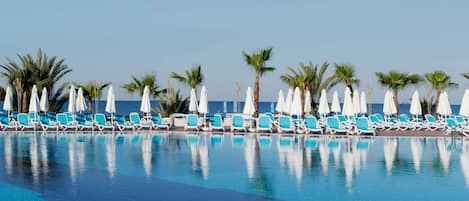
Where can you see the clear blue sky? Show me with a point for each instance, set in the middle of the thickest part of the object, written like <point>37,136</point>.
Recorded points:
<point>109,40</point>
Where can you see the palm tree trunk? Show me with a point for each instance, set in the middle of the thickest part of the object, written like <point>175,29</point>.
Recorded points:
<point>90,106</point>
<point>303,92</point>
<point>396,100</point>
<point>256,95</point>
<point>25,102</point>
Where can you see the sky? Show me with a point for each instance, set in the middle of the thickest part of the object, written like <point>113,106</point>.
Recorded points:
<point>110,40</point>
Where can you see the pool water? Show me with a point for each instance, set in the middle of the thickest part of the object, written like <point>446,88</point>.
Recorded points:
<point>178,166</point>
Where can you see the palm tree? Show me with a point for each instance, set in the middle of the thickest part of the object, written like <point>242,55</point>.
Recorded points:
<point>43,71</point>
<point>466,75</point>
<point>137,85</point>
<point>396,81</point>
<point>257,61</point>
<point>93,91</point>
<point>192,77</point>
<point>439,81</point>
<point>172,102</point>
<point>310,77</point>
<point>345,73</point>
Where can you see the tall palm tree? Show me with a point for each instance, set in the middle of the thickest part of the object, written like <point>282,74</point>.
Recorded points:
<point>466,75</point>
<point>396,81</point>
<point>93,91</point>
<point>191,78</point>
<point>439,81</point>
<point>137,85</point>
<point>257,61</point>
<point>43,71</point>
<point>310,77</point>
<point>345,73</point>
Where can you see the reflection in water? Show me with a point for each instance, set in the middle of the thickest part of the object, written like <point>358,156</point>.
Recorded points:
<point>390,148</point>
<point>416,149</point>
<point>111,156</point>
<point>71,157</point>
<point>291,153</point>
<point>203,153</point>
<point>44,154</point>
<point>354,157</point>
<point>34,157</point>
<point>464,159</point>
<point>249,155</point>
<point>8,149</point>
<point>324,155</point>
<point>444,153</point>
<point>199,153</point>
<point>147,154</point>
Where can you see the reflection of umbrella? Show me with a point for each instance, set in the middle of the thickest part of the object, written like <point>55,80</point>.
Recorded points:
<point>444,154</point>
<point>324,155</point>
<point>111,101</point>
<point>44,102</point>
<point>203,153</point>
<point>249,103</point>
<point>249,155</point>
<point>147,154</point>
<point>323,104</point>
<point>363,108</point>
<point>296,107</point>
<point>80,104</point>
<point>389,108</point>
<point>280,102</point>
<point>34,101</point>
<point>464,110</point>
<point>416,149</point>
<point>145,104</point>
<point>415,106</point>
<point>71,99</point>
<point>356,102</point>
<point>464,159</point>
<point>335,107</point>
<point>8,101</point>
<point>348,166</point>
<point>390,148</point>
<point>444,107</point>
<point>111,156</point>
<point>193,101</point>
<point>307,107</point>
<point>288,101</point>
<point>347,108</point>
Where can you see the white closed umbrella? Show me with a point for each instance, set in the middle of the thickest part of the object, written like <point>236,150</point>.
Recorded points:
<point>44,102</point>
<point>347,108</point>
<point>444,106</point>
<point>280,102</point>
<point>464,110</point>
<point>249,103</point>
<point>110,101</point>
<point>415,106</point>
<point>335,106</point>
<point>8,101</point>
<point>356,102</point>
<point>389,108</point>
<point>307,107</point>
<point>288,101</point>
<point>80,105</point>
<point>71,99</point>
<point>203,103</point>
<point>193,101</point>
<point>323,108</point>
<point>145,105</point>
<point>34,101</point>
<point>363,103</point>
<point>296,107</point>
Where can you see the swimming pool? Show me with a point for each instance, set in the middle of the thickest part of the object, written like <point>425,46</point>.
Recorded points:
<point>178,166</point>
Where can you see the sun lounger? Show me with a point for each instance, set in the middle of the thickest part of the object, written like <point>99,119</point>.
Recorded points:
<point>264,123</point>
<point>192,122</point>
<point>237,123</point>
<point>451,126</point>
<point>432,124</point>
<point>137,123</point>
<point>311,125</point>
<point>158,122</point>
<point>216,123</point>
<point>285,124</point>
<point>46,123</point>
<point>363,126</point>
<point>122,124</point>
<point>6,124</point>
<point>101,122</point>
<point>333,126</point>
<point>23,122</point>
<point>64,124</point>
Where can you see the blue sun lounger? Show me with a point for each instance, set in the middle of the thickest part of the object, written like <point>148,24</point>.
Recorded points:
<point>264,123</point>
<point>216,123</point>
<point>23,122</point>
<point>64,124</point>
<point>158,122</point>
<point>363,126</point>
<point>102,123</point>
<point>311,125</point>
<point>333,126</point>
<point>285,124</point>
<point>138,124</point>
<point>237,123</point>
<point>192,122</point>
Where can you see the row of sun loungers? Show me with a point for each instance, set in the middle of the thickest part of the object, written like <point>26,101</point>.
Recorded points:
<point>68,121</point>
<point>266,122</point>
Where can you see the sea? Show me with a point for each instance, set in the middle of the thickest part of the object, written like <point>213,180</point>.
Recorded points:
<point>124,107</point>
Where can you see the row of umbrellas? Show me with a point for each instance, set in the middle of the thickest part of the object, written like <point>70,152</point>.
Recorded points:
<point>353,104</point>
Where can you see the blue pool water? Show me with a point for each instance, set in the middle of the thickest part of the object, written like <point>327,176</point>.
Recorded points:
<point>177,166</point>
